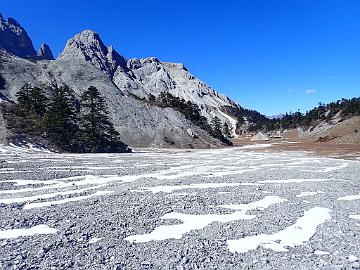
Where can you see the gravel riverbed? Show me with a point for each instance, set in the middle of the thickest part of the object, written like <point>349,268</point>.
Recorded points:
<point>233,208</point>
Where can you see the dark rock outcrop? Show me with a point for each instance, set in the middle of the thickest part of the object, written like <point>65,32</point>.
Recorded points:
<point>45,52</point>
<point>14,39</point>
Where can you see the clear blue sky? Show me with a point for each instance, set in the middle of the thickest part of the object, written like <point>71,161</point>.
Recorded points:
<point>272,56</point>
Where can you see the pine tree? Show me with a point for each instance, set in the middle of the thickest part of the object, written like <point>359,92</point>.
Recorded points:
<point>226,130</point>
<point>152,98</point>
<point>98,133</point>
<point>29,110</point>
<point>60,122</point>
<point>31,101</point>
<point>216,127</point>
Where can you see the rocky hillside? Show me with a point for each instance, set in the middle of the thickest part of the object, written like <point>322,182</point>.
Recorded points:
<point>86,61</point>
<point>14,39</point>
<point>142,77</point>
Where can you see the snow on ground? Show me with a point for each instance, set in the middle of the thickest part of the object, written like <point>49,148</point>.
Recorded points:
<point>296,181</point>
<point>169,189</point>
<point>197,203</point>
<point>321,252</point>
<point>94,240</point>
<point>256,146</point>
<point>295,235</point>
<point>261,204</point>
<point>349,198</point>
<point>353,258</point>
<point>15,233</point>
<point>63,201</point>
<point>308,193</point>
<point>197,222</point>
<point>355,217</point>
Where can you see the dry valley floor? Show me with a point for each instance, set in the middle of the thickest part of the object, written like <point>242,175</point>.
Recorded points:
<point>233,208</point>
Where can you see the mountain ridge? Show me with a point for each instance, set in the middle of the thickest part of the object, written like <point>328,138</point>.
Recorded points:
<point>14,39</point>
<point>87,61</point>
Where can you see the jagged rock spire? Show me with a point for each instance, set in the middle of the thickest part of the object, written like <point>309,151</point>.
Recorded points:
<point>45,52</point>
<point>88,46</point>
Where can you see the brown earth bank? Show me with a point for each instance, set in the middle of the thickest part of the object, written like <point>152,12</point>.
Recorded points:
<point>334,150</point>
<point>339,138</point>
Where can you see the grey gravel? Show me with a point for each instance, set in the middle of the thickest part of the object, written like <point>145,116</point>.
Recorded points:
<point>113,217</point>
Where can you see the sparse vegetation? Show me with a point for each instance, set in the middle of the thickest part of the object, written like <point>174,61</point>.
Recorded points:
<point>191,112</point>
<point>346,108</point>
<point>62,121</point>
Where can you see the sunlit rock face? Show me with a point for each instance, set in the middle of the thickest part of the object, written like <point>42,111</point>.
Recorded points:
<point>87,61</point>
<point>88,46</point>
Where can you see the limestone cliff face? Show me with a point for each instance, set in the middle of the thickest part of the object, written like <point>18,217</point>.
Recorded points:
<point>14,39</point>
<point>88,46</point>
<point>142,77</point>
<point>87,61</point>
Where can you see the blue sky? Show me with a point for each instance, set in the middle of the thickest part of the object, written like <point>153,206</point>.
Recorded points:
<point>270,55</point>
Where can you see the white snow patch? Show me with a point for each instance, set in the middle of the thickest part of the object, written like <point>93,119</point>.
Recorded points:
<point>169,189</point>
<point>355,217</point>
<point>183,194</point>
<point>230,172</point>
<point>349,198</point>
<point>308,193</point>
<point>328,169</point>
<point>94,240</point>
<point>261,204</point>
<point>255,146</point>
<point>39,229</point>
<point>285,181</point>
<point>321,252</point>
<point>27,146</point>
<point>294,235</point>
<point>74,199</point>
<point>197,222</point>
<point>20,182</point>
<point>46,196</point>
<point>2,148</point>
<point>353,258</point>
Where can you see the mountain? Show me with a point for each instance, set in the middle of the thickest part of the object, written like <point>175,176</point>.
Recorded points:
<point>125,84</point>
<point>14,39</point>
<point>45,52</point>
<point>148,76</point>
<point>276,116</point>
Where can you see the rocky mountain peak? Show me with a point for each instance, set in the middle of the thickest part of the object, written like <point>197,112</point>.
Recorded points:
<point>14,39</point>
<point>89,47</point>
<point>14,22</point>
<point>45,52</point>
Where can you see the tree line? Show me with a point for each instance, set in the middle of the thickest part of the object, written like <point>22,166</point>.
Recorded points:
<point>345,108</point>
<point>192,112</point>
<point>64,122</point>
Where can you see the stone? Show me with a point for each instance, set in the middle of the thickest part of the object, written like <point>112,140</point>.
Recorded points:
<point>14,39</point>
<point>45,52</point>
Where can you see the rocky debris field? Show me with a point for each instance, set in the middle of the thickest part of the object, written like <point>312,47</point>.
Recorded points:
<point>233,208</point>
